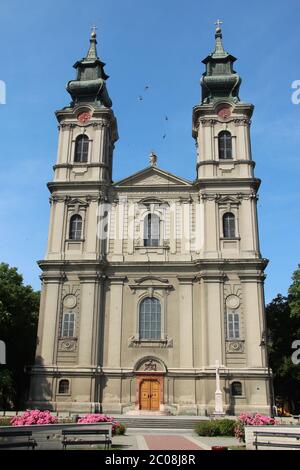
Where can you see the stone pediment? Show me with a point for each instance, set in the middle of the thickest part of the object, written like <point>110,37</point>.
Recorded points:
<point>152,176</point>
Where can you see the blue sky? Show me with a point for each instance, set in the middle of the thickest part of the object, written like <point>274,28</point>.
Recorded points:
<point>159,44</point>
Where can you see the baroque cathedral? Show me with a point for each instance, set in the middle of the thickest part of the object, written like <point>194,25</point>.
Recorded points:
<point>151,282</point>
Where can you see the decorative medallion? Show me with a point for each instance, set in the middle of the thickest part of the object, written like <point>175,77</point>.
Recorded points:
<point>70,301</point>
<point>232,301</point>
<point>84,117</point>
<point>67,345</point>
<point>235,346</point>
<point>150,365</point>
<point>224,112</point>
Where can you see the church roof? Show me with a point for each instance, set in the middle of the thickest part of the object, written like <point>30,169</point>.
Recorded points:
<point>89,85</point>
<point>220,81</point>
<point>152,176</point>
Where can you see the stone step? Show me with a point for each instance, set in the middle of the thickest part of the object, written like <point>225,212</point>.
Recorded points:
<point>160,423</point>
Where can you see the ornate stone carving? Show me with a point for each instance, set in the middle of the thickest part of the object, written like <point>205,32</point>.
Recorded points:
<point>235,346</point>
<point>225,198</point>
<point>208,122</point>
<point>149,364</point>
<point>232,301</point>
<point>134,342</point>
<point>67,345</point>
<point>70,301</point>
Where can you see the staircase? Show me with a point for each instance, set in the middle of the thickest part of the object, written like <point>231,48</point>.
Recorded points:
<point>160,422</point>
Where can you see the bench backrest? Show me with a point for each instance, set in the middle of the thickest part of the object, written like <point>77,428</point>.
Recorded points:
<point>72,432</point>
<point>276,434</point>
<point>15,433</point>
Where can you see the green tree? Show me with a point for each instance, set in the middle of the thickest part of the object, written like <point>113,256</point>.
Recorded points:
<point>294,294</point>
<point>19,305</point>
<point>283,318</point>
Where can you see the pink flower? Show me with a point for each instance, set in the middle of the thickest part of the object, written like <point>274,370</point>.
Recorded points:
<point>30,417</point>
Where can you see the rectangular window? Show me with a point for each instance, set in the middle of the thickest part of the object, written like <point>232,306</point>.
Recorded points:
<point>233,324</point>
<point>68,325</point>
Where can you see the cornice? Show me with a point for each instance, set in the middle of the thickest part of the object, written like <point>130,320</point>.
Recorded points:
<point>77,185</point>
<point>232,198</point>
<point>227,182</point>
<point>226,162</point>
<point>79,165</point>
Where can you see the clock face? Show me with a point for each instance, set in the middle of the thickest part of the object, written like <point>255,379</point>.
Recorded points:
<point>224,112</point>
<point>84,117</point>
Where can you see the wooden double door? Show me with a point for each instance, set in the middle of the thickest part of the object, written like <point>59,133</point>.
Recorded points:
<point>150,395</point>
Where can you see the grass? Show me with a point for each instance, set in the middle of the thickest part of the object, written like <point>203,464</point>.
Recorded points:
<point>237,447</point>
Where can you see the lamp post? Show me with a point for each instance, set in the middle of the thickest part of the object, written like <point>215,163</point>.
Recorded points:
<point>265,344</point>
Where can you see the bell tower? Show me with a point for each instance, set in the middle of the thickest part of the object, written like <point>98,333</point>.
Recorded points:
<point>87,128</point>
<point>225,169</point>
<point>233,280</point>
<point>70,334</point>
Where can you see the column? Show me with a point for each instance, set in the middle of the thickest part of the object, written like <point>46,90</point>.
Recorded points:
<point>185,228</point>
<point>252,309</point>
<point>215,318</point>
<point>115,322</point>
<point>88,314</point>
<point>186,322</point>
<point>50,315</point>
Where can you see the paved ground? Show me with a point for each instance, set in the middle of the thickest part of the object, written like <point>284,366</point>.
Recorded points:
<point>148,439</point>
<point>170,442</point>
<point>157,439</point>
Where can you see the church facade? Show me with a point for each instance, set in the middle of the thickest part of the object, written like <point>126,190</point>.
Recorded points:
<point>151,282</point>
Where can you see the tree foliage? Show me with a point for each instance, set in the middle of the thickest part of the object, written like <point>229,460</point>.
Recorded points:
<point>19,305</point>
<point>283,318</point>
<point>294,294</point>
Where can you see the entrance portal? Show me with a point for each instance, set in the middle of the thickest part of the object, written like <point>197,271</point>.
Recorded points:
<point>150,395</point>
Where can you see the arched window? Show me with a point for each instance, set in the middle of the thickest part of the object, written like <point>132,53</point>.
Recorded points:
<point>75,230</point>
<point>151,230</point>
<point>229,225</point>
<point>150,319</point>
<point>233,324</point>
<point>63,386</point>
<point>68,325</point>
<point>225,145</point>
<point>81,149</point>
<point>236,389</point>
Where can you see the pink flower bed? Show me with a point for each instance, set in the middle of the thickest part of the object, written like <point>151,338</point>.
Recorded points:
<point>30,417</point>
<point>99,418</point>
<point>247,419</point>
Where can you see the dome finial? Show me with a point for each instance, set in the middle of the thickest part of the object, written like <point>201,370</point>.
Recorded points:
<point>92,52</point>
<point>93,32</point>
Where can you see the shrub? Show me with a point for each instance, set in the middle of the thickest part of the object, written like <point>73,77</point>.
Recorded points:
<point>120,429</point>
<point>227,427</point>
<point>218,427</point>
<point>247,419</point>
<point>207,428</point>
<point>5,421</point>
<point>117,429</point>
<point>30,417</point>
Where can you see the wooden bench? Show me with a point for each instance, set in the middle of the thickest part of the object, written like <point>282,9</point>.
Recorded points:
<point>9,443</point>
<point>272,443</point>
<point>71,437</point>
